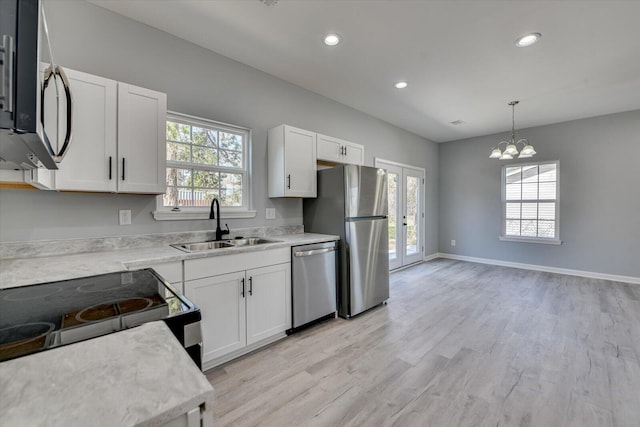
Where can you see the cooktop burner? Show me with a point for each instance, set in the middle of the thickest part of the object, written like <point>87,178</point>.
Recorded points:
<point>31,293</point>
<point>38,317</point>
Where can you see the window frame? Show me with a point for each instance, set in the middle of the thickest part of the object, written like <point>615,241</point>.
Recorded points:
<point>526,239</point>
<point>202,212</point>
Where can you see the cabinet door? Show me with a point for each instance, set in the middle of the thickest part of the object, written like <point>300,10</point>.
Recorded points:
<point>142,152</point>
<point>300,162</point>
<point>90,163</point>
<point>268,301</point>
<point>329,149</point>
<point>221,300</point>
<point>353,154</point>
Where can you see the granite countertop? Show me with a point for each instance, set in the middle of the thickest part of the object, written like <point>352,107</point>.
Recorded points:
<point>137,377</point>
<point>32,270</point>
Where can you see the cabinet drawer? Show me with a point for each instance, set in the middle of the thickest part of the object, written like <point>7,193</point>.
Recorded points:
<point>213,266</point>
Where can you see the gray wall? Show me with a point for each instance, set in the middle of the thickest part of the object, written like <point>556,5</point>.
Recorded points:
<point>201,83</point>
<point>599,196</point>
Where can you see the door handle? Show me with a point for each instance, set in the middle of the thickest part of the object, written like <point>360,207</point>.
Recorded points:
<point>289,181</point>
<point>250,285</point>
<point>110,167</point>
<point>123,169</point>
<point>242,293</point>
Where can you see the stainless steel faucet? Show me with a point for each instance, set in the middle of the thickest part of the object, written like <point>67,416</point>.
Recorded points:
<point>219,231</point>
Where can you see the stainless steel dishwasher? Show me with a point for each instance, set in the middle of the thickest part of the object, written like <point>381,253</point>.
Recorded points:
<point>314,283</point>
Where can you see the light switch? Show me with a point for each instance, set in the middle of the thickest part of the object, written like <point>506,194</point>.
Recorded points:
<point>453,243</point>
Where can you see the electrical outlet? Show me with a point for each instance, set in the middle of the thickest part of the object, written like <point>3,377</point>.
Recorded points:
<point>125,217</point>
<point>453,243</point>
<point>271,213</point>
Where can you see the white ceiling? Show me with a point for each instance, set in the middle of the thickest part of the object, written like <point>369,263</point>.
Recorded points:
<point>459,57</point>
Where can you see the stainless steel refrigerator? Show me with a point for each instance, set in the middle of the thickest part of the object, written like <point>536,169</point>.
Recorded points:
<point>352,203</point>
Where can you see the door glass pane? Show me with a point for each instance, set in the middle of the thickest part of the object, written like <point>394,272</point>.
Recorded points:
<point>393,207</point>
<point>411,229</point>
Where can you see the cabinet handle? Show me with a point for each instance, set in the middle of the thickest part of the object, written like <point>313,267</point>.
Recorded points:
<point>289,181</point>
<point>342,151</point>
<point>110,167</point>
<point>242,288</point>
<point>123,169</point>
<point>345,150</point>
<point>250,285</point>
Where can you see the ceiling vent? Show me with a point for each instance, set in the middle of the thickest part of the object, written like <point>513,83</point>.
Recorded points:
<point>458,122</point>
<point>269,2</point>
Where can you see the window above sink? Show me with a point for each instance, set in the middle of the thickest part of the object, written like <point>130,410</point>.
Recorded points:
<point>205,160</point>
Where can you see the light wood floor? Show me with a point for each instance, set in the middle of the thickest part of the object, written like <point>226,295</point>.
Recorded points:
<point>459,344</point>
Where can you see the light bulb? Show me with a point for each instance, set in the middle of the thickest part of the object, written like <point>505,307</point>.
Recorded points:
<point>511,150</point>
<point>528,40</point>
<point>331,39</point>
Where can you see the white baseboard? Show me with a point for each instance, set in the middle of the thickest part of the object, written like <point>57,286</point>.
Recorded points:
<point>581,273</point>
<point>432,256</point>
<point>210,364</point>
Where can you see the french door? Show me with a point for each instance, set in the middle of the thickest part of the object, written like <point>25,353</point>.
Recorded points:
<point>406,217</point>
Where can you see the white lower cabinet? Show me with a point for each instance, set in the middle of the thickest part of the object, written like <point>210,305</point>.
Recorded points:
<point>222,304</point>
<point>241,310</point>
<point>268,302</point>
<point>197,417</point>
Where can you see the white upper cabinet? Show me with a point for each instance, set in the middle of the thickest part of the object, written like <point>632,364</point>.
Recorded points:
<point>90,163</point>
<point>353,153</point>
<point>118,138</point>
<point>142,152</point>
<point>337,150</point>
<point>291,162</point>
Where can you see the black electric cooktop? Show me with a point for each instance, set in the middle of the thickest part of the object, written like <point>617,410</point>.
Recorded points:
<point>39,317</point>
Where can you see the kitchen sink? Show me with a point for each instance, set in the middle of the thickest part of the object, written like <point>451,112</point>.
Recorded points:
<point>212,244</point>
<point>203,246</point>
<point>250,241</point>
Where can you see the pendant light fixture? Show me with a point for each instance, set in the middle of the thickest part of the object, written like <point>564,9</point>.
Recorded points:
<point>511,146</point>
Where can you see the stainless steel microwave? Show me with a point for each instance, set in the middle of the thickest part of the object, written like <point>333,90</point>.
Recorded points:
<point>23,142</point>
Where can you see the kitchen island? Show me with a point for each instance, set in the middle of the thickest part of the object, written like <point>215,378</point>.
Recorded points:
<point>137,377</point>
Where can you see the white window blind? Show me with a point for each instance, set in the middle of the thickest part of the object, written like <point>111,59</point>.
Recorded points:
<point>530,201</point>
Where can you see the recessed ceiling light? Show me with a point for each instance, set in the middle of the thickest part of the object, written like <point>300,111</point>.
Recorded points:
<point>528,40</point>
<point>401,85</point>
<point>332,39</point>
